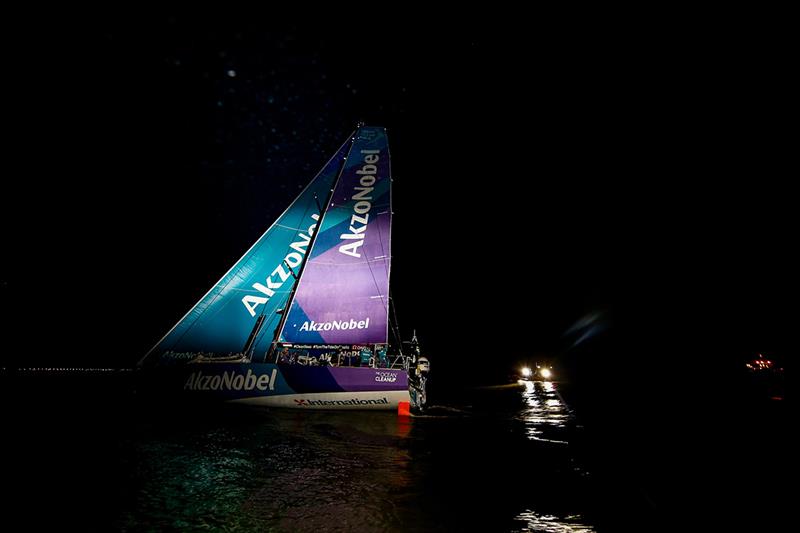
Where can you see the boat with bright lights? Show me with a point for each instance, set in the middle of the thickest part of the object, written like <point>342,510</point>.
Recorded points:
<point>537,372</point>
<point>302,320</point>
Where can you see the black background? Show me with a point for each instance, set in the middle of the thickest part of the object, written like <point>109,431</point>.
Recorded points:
<point>634,172</point>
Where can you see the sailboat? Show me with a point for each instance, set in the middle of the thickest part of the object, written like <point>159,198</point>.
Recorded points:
<point>302,319</point>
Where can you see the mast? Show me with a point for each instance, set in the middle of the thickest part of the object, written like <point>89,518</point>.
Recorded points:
<point>285,311</point>
<point>389,300</point>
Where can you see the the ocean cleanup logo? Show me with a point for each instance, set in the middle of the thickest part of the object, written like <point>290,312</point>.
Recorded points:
<point>385,377</point>
<point>363,199</point>
<point>303,402</point>
<point>231,381</point>
<point>280,274</point>
<point>310,325</point>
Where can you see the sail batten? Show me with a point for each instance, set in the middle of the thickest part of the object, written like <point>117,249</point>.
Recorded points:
<point>340,297</point>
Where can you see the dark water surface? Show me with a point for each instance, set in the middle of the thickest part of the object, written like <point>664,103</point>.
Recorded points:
<point>513,458</point>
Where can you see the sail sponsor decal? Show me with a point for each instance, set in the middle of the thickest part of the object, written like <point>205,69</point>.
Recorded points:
<point>310,325</point>
<point>232,381</point>
<point>362,197</point>
<point>346,276</point>
<point>281,273</point>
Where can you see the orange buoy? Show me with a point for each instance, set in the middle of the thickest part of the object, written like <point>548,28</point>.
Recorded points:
<point>404,409</point>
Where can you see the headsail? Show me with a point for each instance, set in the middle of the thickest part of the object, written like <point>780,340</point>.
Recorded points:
<point>239,312</point>
<point>342,296</point>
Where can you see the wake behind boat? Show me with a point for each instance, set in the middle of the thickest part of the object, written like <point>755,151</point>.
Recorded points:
<point>302,319</point>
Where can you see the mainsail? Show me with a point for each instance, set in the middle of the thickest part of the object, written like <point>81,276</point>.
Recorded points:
<point>239,313</point>
<point>342,294</point>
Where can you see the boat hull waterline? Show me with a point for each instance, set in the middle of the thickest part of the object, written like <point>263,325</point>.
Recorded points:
<point>293,386</point>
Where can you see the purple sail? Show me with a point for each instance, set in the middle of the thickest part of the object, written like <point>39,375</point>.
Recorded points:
<point>342,296</point>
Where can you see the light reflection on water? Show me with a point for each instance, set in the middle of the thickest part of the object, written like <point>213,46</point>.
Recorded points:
<point>458,469</point>
<point>491,459</point>
<point>546,418</point>
<point>544,414</point>
<point>537,523</point>
<point>342,471</point>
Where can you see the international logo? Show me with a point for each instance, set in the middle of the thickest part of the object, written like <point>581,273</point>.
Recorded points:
<point>304,402</point>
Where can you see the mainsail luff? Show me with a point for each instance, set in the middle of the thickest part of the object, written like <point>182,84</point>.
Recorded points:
<point>290,300</point>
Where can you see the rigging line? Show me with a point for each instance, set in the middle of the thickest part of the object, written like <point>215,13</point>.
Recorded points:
<point>264,328</point>
<point>375,281</point>
<point>369,265</point>
<point>390,210</point>
<point>396,324</point>
<point>396,328</point>
<point>271,319</point>
<point>288,227</point>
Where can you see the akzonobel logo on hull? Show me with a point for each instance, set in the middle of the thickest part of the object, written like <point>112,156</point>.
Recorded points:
<point>231,381</point>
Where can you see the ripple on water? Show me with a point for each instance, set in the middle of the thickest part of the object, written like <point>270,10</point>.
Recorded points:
<point>545,415</point>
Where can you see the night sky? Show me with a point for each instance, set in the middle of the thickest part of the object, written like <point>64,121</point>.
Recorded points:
<point>537,179</point>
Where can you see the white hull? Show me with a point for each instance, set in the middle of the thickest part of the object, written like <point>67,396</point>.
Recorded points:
<point>380,400</point>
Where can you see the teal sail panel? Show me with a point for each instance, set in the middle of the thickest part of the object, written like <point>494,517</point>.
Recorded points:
<point>342,295</point>
<point>257,286</point>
